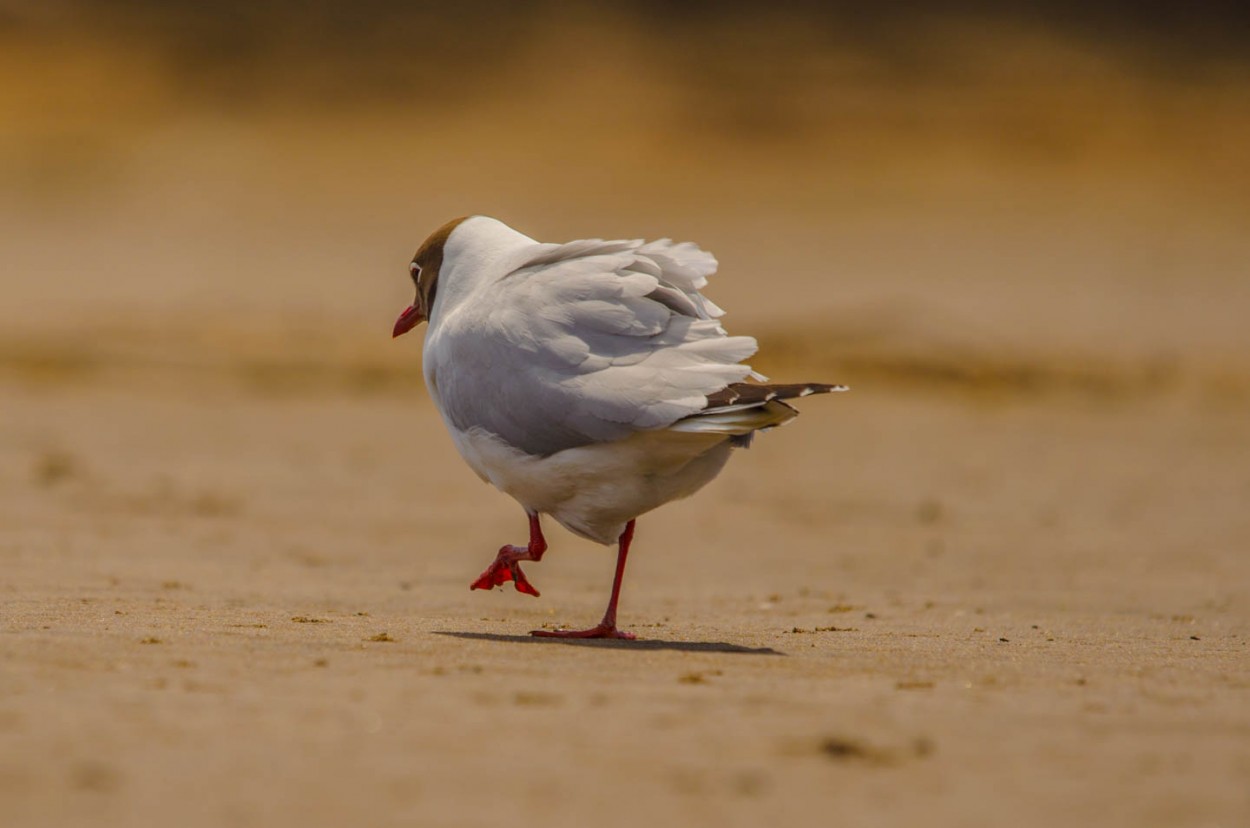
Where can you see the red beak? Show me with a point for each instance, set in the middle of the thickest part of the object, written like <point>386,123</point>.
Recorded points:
<point>409,319</point>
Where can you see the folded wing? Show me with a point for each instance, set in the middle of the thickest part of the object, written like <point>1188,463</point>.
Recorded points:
<point>587,342</point>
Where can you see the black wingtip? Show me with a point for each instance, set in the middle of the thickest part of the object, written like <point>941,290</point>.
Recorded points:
<point>746,393</point>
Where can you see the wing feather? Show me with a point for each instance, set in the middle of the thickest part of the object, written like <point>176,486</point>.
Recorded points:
<point>586,342</point>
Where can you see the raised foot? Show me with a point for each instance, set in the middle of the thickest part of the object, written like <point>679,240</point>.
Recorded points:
<point>505,568</point>
<point>601,631</point>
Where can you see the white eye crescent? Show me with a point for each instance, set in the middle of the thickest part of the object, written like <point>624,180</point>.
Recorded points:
<point>414,268</point>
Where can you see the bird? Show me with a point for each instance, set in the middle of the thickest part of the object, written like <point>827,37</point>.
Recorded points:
<point>591,381</point>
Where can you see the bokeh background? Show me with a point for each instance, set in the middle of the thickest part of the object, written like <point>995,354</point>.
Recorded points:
<point>1032,183</point>
<point>1005,580</point>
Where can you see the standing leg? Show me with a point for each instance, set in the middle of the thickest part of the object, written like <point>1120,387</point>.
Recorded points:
<point>607,627</point>
<point>505,567</point>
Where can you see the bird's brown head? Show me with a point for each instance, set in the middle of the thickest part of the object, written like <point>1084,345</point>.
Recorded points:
<point>424,270</point>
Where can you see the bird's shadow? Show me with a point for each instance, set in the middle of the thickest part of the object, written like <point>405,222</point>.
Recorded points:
<point>618,644</point>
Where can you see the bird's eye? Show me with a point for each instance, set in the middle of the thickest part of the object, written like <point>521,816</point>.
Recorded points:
<point>414,268</point>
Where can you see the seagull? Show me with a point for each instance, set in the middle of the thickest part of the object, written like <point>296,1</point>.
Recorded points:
<point>590,381</point>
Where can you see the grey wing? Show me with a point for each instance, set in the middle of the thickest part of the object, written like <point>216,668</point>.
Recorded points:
<point>588,342</point>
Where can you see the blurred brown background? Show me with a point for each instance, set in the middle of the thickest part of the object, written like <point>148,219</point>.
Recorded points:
<point>1053,179</point>
<point>1003,581</point>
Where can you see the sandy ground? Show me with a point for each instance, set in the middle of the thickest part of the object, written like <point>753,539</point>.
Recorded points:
<point>222,607</point>
<point>1005,581</point>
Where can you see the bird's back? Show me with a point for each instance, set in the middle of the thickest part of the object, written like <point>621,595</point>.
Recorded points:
<point>580,343</point>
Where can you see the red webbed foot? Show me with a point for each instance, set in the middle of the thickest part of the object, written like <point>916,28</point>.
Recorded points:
<point>505,568</point>
<point>600,631</point>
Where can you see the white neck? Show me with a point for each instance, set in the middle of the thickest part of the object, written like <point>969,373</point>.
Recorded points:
<point>480,251</point>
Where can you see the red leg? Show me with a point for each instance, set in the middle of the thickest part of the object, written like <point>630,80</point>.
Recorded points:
<point>506,567</point>
<point>607,627</point>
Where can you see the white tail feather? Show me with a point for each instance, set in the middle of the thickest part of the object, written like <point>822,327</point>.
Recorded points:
<point>736,421</point>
